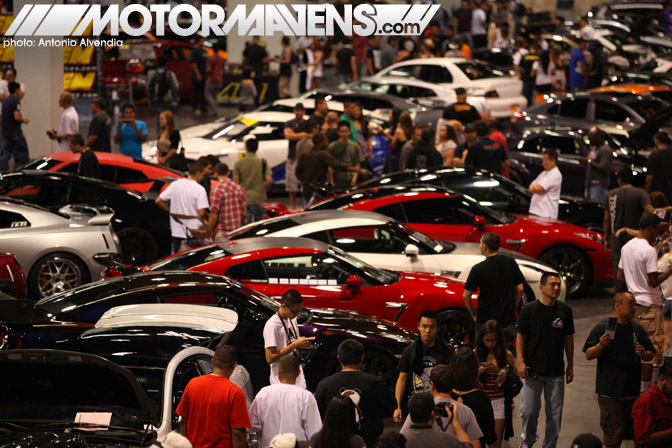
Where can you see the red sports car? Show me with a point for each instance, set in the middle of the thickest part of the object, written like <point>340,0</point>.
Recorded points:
<point>12,279</point>
<point>577,253</point>
<point>116,168</point>
<point>327,277</point>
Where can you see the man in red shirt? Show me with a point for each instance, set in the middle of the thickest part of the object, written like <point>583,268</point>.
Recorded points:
<point>213,409</point>
<point>652,413</point>
<point>227,203</point>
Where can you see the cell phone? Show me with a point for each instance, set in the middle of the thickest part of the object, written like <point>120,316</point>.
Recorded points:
<point>486,364</point>
<point>611,327</point>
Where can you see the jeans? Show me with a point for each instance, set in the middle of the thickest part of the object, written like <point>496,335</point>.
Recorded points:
<point>15,147</point>
<point>596,193</point>
<point>344,78</point>
<point>255,213</point>
<point>528,92</point>
<point>176,244</point>
<point>198,100</point>
<point>554,392</point>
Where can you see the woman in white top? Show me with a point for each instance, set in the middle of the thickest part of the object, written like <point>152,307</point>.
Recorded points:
<point>447,143</point>
<point>543,80</point>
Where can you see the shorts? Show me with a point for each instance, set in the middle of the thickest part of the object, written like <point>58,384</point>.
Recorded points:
<point>667,309</point>
<point>498,408</point>
<point>292,184</point>
<point>652,321</point>
<point>615,419</point>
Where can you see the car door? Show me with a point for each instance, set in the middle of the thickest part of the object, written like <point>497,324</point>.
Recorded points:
<point>573,112</point>
<point>610,112</point>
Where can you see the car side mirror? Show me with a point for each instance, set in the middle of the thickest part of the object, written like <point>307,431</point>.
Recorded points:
<point>479,222</point>
<point>411,250</point>
<point>354,281</point>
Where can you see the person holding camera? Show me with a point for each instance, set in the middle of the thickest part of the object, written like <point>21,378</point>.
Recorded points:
<point>69,124</point>
<point>423,414</point>
<point>620,345</point>
<point>130,133</point>
<point>281,335</point>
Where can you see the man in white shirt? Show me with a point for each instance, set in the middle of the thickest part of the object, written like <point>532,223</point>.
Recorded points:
<point>479,24</point>
<point>188,206</point>
<point>285,408</point>
<point>546,187</point>
<point>638,269</point>
<point>69,122</point>
<point>281,335</point>
<point>587,31</point>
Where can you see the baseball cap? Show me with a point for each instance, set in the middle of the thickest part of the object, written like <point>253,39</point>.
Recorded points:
<point>283,441</point>
<point>299,106</point>
<point>470,127</point>
<point>460,91</point>
<point>649,220</point>
<point>586,440</point>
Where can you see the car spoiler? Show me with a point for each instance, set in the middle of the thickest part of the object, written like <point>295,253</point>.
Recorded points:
<point>93,215</point>
<point>112,260</point>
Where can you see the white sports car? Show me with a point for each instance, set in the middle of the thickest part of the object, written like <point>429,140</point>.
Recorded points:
<point>386,243</point>
<point>501,90</point>
<point>56,249</point>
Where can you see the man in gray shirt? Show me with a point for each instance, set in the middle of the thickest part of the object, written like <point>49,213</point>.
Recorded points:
<point>420,434</point>
<point>598,167</point>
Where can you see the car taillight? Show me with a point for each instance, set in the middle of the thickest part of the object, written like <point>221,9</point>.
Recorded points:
<point>491,94</point>
<point>4,337</point>
<point>517,117</point>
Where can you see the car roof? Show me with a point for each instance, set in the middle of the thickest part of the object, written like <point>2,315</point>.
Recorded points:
<point>405,81</point>
<point>345,199</point>
<point>68,156</point>
<point>433,61</point>
<point>176,315</point>
<point>260,243</point>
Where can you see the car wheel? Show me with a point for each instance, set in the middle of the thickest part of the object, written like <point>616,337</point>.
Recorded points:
<point>457,327</point>
<point>528,297</point>
<point>56,273</point>
<point>137,246</point>
<point>380,365</point>
<point>573,265</point>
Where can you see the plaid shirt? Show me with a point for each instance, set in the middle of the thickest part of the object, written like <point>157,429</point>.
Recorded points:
<point>228,202</point>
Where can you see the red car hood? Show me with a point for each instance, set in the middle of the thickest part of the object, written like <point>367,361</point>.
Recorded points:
<point>538,224</point>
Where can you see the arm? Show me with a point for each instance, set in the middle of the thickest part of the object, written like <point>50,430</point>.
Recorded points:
<point>162,204</point>
<point>184,426</point>
<point>460,433</point>
<point>273,355</point>
<point>519,293</point>
<point>596,350</point>
<point>286,56</point>
<point>658,437</point>
<point>656,278</point>
<point>468,303</point>
<point>91,139</point>
<point>520,348</point>
<point>649,181</point>
<point>536,189</point>
<point>506,163</point>
<point>18,117</point>
<point>606,228</point>
<point>369,66</point>
<point>399,390</point>
<point>117,135</point>
<point>238,437</point>
<point>353,67</point>
<point>291,135</point>
<point>569,352</point>
<point>141,135</point>
<point>198,74</point>
<point>620,276</point>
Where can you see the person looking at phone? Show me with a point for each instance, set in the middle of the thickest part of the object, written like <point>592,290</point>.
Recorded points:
<point>423,414</point>
<point>545,331</point>
<point>130,133</point>
<point>281,335</point>
<point>441,387</point>
<point>620,344</point>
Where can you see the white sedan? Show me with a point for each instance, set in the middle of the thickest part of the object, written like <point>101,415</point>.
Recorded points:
<point>386,243</point>
<point>501,90</point>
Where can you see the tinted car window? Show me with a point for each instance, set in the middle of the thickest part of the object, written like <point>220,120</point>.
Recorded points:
<point>435,74</point>
<point>574,108</point>
<point>405,71</point>
<point>49,195</point>
<point>476,70</point>
<point>438,211</point>
<point>128,175</point>
<point>79,195</point>
<point>252,270</point>
<point>9,220</point>
<point>395,211</point>
<point>531,145</point>
<point>565,145</point>
<point>374,239</point>
<point>610,112</point>
<point>648,108</point>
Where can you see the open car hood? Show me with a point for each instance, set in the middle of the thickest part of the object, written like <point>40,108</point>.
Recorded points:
<point>70,382</point>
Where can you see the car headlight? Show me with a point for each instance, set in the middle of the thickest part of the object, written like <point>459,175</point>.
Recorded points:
<point>597,239</point>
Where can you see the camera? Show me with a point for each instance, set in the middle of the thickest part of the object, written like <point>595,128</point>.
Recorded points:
<point>440,409</point>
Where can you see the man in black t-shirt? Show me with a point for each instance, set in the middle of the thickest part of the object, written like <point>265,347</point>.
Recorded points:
<point>368,391</point>
<point>659,166</point>
<point>88,162</point>
<point>417,360</point>
<point>500,287</point>
<point>255,56</point>
<point>545,330</point>
<point>99,129</point>
<point>619,367</point>
<point>347,62</point>
<point>486,153</point>
<point>461,111</point>
<point>528,73</point>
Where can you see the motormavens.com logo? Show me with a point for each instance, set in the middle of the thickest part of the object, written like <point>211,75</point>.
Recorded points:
<point>187,20</point>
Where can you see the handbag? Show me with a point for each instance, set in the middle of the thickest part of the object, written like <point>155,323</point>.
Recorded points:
<point>179,161</point>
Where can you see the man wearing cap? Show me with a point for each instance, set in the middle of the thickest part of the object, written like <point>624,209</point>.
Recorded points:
<point>461,111</point>
<point>294,131</point>
<point>638,268</point>
<point>486,153</point>
<point>462,149</point>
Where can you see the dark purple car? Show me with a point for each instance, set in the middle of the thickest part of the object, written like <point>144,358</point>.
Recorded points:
<point>67,315</point>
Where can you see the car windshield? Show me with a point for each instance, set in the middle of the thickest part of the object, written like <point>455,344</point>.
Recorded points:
<point>82,295</point>
<point>189,259</point>
<point>379,275</point>
<point>477,70</point>
<point>422,239</point>
<point>231,129</point>
<point>45,164</point>
<point>151,380</point>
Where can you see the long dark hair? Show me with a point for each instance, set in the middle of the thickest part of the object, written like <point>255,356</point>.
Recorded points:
<point>491,327</point>
<point>395,118</point>
<point>339,424</point>
<point>465,370</point>
<point>544,60</point>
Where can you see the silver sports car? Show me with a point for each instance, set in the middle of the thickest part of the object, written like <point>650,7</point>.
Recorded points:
<point>55,249</point>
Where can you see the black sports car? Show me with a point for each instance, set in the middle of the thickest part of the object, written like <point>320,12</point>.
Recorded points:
<point>65,316</point>
<point>491,191</point>
<point>142,227</point>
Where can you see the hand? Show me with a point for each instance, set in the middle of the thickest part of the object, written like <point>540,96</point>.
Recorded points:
<point>452,410</point>
<point>52,134</point>
<point>605,340</point>
<point>397,415</point>
<point>569,372</point>
<point>473,316</point>
<point>502,376</point>
<point>133,124</point>
<point>522,370</point>
<point>303,342</point>
<point>26,120</point>
<point>482,370</point>
<point>364,172</point>
<point>607,244</point>
<point>640,350</point>
<point>584,160</point>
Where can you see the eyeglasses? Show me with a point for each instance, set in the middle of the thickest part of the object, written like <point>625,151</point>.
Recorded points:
<point>295,312</point>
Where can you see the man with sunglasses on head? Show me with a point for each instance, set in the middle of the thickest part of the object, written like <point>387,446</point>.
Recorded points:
<point>281,335</point>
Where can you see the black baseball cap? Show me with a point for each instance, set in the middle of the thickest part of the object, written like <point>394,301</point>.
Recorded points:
<point>650,220</point>
<point>299,106</point>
